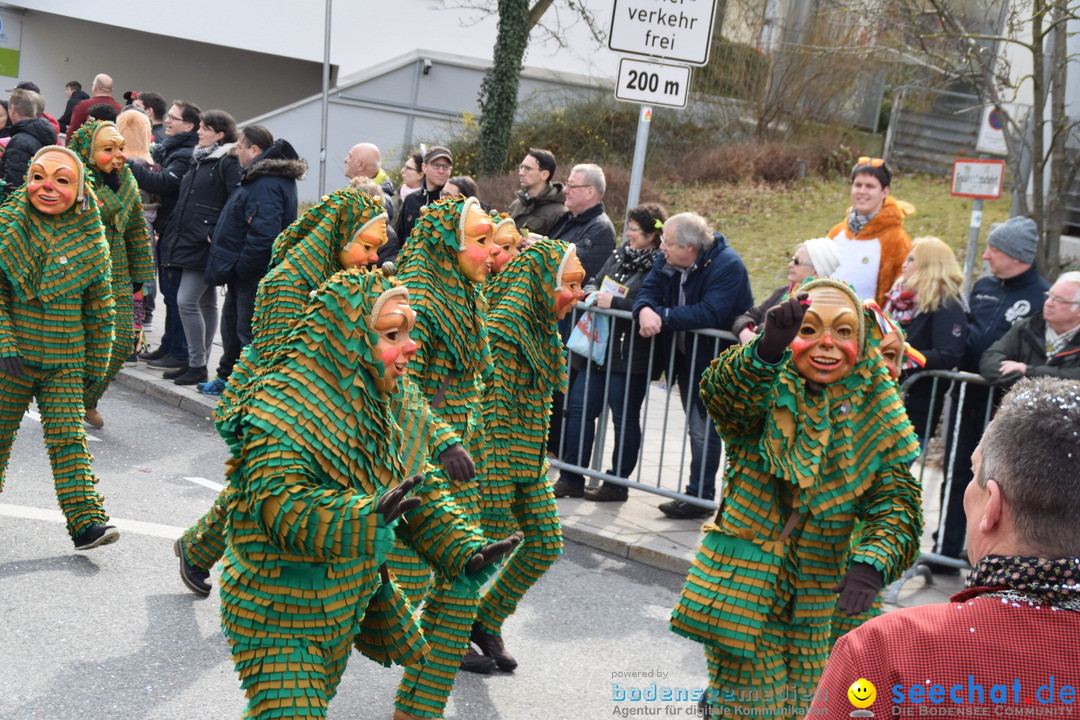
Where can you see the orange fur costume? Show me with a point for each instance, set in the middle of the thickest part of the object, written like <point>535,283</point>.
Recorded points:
<point>887,227</point>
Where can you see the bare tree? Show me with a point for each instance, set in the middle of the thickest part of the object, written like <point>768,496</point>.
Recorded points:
<point>987,45</point>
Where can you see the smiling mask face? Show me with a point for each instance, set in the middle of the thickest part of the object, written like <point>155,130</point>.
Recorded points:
<point>53,182</point>
<point>827,346</point>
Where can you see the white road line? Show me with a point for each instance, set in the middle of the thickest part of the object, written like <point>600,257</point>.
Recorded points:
<point>136,527</point>
<point>33,415</point>
<point>217,487</point>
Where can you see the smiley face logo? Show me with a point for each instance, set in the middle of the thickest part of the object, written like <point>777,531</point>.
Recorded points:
<point>862,693</point>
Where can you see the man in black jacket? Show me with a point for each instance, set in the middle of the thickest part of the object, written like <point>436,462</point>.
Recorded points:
<point>29,133</point>
<point>438,162</point>
<point>75,95</point>
<point>172,159</point>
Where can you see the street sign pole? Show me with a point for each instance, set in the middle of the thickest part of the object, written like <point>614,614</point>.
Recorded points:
<point>980,179</point>
<point>641,144</point>
<point>973,243</point>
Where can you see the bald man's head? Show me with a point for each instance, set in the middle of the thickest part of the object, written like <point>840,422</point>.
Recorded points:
<point>103,84</point>
<point>363,159</point>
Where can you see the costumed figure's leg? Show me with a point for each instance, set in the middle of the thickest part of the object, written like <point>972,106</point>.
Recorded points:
<point>60,393</point>
<point>204,542</point>
<point>122,342</point>
<point>286,678</point>
<point>450,606</point>
<point>537,515</point>
<point>15,396</point>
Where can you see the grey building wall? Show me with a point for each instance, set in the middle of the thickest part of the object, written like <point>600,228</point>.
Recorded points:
<point>56,49</point>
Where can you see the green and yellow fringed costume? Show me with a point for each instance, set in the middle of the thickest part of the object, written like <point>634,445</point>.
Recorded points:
<point>305,256</point>
<point>527,364</point>
<point>56,314</point>
<point>449,368</point>
<point>318,451</point>
<point>129,249</point>
<point>802,470</point>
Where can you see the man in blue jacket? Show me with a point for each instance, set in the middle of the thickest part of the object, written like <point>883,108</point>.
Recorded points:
<point>1013,291</point>
<point>700,282</point>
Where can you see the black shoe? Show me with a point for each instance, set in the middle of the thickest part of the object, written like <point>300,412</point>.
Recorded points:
<point>492,646</point>
<point>196,579</point>
<point>563,488</point>
<point>95,535</point>
<point>681,510</point>
<point>474,662</point>
<point>190,376</point>
<point>132,360</point>
<point>155,355</point>
<point>166,362</point>
<point>607,492</point>
<point>174,373</point>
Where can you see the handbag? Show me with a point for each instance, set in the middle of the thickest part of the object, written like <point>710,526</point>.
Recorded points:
<point>589,338</point>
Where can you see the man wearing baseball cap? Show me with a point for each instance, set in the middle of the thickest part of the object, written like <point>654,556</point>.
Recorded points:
<point>1013,291</point>
<point>438,163</point>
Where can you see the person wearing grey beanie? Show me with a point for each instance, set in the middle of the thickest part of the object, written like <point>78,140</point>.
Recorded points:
<point>1017,237</point>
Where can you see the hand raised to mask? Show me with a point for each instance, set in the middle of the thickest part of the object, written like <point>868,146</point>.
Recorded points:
<point>394,501</point>
<point>782,323</point>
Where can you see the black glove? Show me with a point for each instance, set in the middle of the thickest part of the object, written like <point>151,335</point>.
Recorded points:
<point>459,466</point>
<point>135,287</point>
<point>12,365</point>
<point>393,503</point>
<point>492,552</point>
<point>782,323</point>
<point>858,589</point>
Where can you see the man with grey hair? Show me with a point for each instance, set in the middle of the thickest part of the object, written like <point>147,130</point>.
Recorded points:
<point>1013,620</point>
<point>29,133</point>
<point>365,160</point>
<point>585,223</point>
<point>700,282</point>
<point>100,92</point>
<point>1046,344</point>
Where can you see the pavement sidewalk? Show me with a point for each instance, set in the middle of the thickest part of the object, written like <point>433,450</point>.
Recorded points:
<point>634,529</point>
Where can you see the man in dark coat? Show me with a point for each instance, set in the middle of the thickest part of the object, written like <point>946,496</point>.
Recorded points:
<point>29,133</point>
<point>539,203</point>
<point>700,282</point>
<point>257,211</point>
<point>585,223</point>
<point>438,162</point>
<point>75,95</point>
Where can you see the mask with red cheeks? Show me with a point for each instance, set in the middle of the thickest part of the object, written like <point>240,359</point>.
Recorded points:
<point>474,257</point>
<point>507,240</point>
<point>108,149</point>
<point>393,319</point>
<point>891,348</point>
<point>363,248</point>
<point>827,346</point>
<point>53,182</point>
<point>568,291</point>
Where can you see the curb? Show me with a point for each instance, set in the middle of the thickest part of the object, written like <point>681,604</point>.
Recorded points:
<point>144,381</point>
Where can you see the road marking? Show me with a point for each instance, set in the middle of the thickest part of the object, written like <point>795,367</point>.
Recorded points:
<point>33,415</point>
<point>136,527</point>
<point>217,487</point>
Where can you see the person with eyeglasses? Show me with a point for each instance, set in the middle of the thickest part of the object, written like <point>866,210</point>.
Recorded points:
<point>437,165</point>
<point>412,178</point>
<point>539,202</point>
<point>1045,344</point>
<point>813,258</point>
<point>1012,292</point>
<point>872,241</point>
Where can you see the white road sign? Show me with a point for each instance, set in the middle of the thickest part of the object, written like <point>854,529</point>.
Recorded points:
<point>978,179</point>
<point>678,30</point>
<point>653,83</point>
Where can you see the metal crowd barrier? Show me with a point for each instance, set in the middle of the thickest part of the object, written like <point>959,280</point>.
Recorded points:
<point>952,412</point>
<point>665,473</point>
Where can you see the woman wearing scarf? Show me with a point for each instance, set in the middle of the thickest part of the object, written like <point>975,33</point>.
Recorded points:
<point>928,303</point>
<point>591,388</point>
<point>101,148</point>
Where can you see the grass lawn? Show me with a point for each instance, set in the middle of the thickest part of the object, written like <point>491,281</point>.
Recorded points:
<point>765,222</point>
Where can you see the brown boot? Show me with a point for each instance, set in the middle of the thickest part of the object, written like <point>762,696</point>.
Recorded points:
<point>93,418</point>
<point>400,714</point>
<point>492,646</point>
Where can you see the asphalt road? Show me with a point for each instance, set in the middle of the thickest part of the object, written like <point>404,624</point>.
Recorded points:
<point>113,634</point>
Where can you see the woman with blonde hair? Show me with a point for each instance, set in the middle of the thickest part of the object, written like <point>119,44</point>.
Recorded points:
<point>928,303</point>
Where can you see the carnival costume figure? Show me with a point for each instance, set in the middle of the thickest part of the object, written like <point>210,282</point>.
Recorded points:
<point>443,263</point>
<point>817,440</point>
<point>56,326</point>
<point>101,148</point>
<point>537,288</point>
<point>318,486</point>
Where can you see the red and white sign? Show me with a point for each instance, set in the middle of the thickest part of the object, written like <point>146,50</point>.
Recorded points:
<point>977,179</point>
